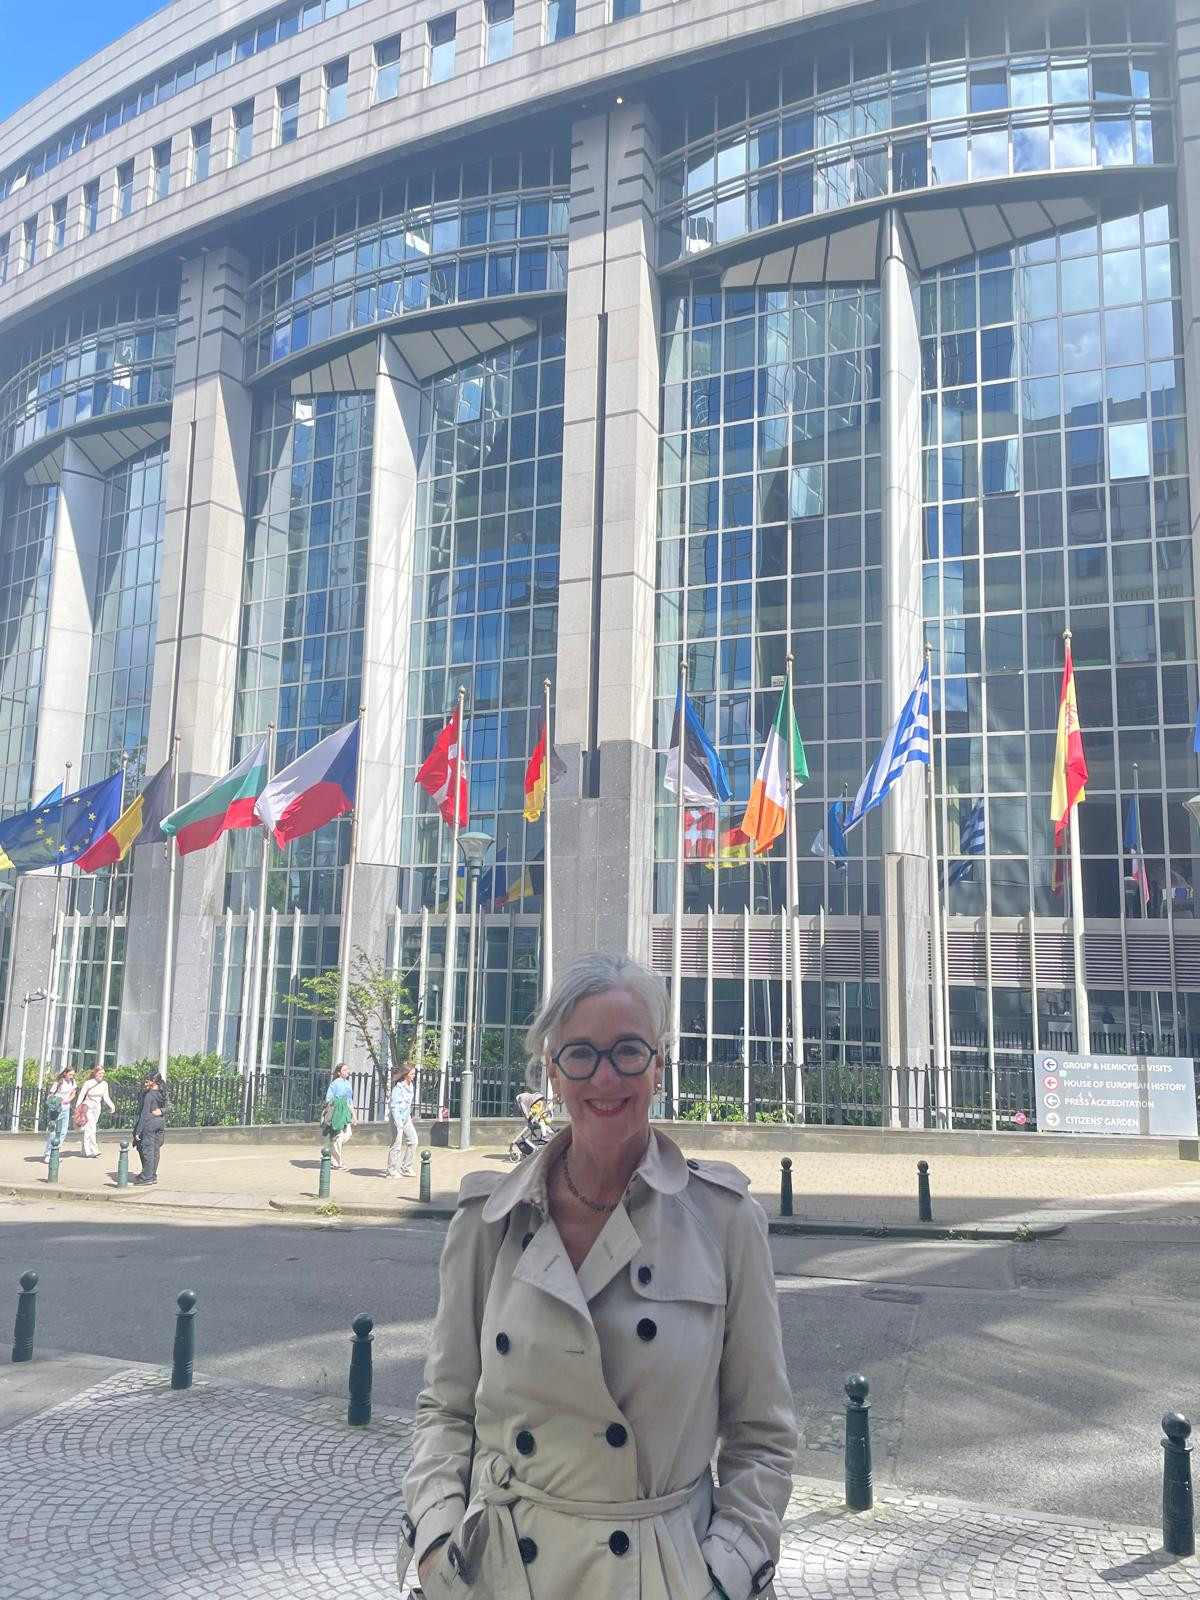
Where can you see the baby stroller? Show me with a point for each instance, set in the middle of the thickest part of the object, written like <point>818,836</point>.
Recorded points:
<point>539,1126</point>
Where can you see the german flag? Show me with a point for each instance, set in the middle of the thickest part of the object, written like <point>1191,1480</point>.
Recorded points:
<point>536,777</point>
<point>139,823</point>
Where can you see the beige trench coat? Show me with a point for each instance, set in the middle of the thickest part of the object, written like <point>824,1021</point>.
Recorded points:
<point>584,1410</point>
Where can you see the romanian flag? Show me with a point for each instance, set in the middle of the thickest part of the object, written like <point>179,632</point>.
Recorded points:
<point>1070,766</point>
<point>537,778</point>
<point>766,814</point>
<point>228,803</point>
<point>318,786</point>
<point>139,823</point>
<point>436,775</point>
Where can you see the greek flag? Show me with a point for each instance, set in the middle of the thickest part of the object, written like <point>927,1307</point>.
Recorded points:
<point>908,740</point>
<point>972,841</point>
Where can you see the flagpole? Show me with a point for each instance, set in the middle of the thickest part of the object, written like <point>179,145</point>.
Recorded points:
<point>422,987</point>
<point>677,919</point>
<point>547,871</point>
<point>106,990</point>
<point>1124,920</point>
<point>945,908</point>
<point>1083,1022</point>
<point>346,949</point>
<point>1143,913</point>
<point>935,937</point>
<point>793,879</point>
<point>51,1013</point>
<point>168,978</point>
<point>447,1017</point>
<point>289,1047</point>
<point>746,1016</point>
<point>226,963</point>
<point>708,1011</point>
<point>260,937</point>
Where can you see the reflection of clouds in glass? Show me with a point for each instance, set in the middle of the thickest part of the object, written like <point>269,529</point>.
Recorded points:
<point>1081,342</point>
<point>1072,144</point>
<point>1128,450</point>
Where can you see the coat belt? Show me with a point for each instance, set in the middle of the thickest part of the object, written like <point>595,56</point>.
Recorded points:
<point>501,1488</point>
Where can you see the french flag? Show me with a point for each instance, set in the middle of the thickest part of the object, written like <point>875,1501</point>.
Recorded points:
<point>318,786</point>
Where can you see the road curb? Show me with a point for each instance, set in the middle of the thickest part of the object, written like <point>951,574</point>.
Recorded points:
<point>917,1230</point>
<point>400,1212</point>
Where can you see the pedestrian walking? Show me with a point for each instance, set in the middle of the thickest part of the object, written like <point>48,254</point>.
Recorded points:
<point>58,1110</point>
<point>150,1127</point>
<point>339,1111</point>
<point>93,1098</point>
<point>404,1133</point>
<point>607,1324</point>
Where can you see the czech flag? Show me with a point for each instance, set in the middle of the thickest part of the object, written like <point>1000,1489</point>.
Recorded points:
<point>318,786</point>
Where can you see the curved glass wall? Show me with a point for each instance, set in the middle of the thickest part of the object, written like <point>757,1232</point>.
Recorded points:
<point>479,231</point>
<point>1056,496</point>
<point>951,104</point>
<point>486,614</point>
<point>115,355</point>
<point>769,540</point>
<point>26,556</point>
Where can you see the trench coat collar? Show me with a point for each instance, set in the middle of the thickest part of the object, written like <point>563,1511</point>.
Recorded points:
<point>662,1168</point>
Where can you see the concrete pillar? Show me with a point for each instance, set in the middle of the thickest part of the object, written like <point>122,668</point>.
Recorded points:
<point>195,667</point>
<point>1187,19</point>
<point>603,821</point>
<point>904,909</point>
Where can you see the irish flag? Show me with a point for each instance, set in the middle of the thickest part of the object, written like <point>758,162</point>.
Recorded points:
<point>315,788</point>
<point>766,814</point>
<point>228,803</point>
<point>1070,765</point>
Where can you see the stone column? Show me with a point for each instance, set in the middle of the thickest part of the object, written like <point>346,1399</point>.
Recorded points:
<point>603,819</point>
<point>195,666</point>
<point>904,910</point>
<point>1187,39</point>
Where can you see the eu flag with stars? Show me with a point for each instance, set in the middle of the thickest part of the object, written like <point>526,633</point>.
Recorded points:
<point>58,831</point>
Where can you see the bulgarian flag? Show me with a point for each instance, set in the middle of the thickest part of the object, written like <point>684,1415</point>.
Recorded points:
<point>1070,765</point>
<point>766,814</point>
<point>318,786</point>
<point>141,822</point>
<point>228,803</point>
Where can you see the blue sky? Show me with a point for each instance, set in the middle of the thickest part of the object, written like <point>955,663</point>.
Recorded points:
<point>45,38</point>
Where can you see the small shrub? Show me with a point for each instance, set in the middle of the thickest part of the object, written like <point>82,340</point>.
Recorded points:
<point>329,1209</point>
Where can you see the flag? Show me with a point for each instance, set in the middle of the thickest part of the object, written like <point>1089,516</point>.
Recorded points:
<point>59,831</point>
<point>766,812</point>
<point>1133,845</point>
<point>530,883</point>
<point>1196,735</point>
<point>316,787</point>
<point>12,825</point>
<point>831,839</point>
<point>733,847</point>
<point>493,884</point>
<point>227,803</point>
<point>536,777</point>
<point>972,841</point>
<point>699,835</point>
<point>704,777</point>
<point>1070,766</point>
<point>139,823</point>
<point>907,741</point>
<point>436,775</point>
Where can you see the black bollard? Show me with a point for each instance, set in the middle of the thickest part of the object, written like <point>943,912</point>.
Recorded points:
<point>123,1165</point>
<point>26,1318</point>
<point>55,1157</point>
<point>185,1341</point>
<point>323,1184</point>
<point>785,1187</point>
<point>1179,1521</point>
<point>358,1412</point>
<point>924,1199</point>
<point>860,1494</point>
<point>425,1191</point>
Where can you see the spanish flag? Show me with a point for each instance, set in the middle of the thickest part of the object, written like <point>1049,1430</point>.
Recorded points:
<point>139,823</point>
<point>536,777</point>
<point>1070,766</point>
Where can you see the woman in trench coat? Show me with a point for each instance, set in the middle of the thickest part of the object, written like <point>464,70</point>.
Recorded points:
<point>607,1324</point>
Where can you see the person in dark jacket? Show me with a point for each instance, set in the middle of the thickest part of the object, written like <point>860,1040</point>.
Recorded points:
<point>150,1126</point>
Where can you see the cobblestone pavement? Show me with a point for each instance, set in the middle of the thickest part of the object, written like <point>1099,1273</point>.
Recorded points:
<point>240,1493</point>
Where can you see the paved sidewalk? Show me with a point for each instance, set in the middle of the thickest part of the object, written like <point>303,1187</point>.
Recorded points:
<point>233,1491</point>
<point>866,1190</point>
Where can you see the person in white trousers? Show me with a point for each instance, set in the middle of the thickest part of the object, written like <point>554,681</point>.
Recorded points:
<point>404,1134</point>
<point>93,1098</point>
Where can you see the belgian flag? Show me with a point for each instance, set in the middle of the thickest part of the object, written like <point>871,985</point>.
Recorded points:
<point>139,823</point>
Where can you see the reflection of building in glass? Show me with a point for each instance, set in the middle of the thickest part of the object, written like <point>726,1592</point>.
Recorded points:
<point>472,356</point>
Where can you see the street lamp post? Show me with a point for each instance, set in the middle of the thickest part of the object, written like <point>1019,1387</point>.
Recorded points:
<point>474,847</point>
<point>30,998</point>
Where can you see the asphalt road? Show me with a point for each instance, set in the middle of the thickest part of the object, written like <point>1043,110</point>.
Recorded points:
<point>1031,1375</point>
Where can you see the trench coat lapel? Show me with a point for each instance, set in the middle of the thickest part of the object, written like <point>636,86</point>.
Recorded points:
<point>615,1247</point>
<point>545,1266</point>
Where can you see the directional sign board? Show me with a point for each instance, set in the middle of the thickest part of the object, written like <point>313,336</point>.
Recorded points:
<point>1116,1094</point>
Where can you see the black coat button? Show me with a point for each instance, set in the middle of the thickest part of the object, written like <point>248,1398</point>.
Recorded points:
<point>616,1435</point>
<point>502,1343</point>
<point>644,1274</point>
<point>525,1442</point>
<point>528,1550</point>
<point>618,1542</point>
<point>694,1165</point>
<point>525,1241</point>
<point>646,1329</point>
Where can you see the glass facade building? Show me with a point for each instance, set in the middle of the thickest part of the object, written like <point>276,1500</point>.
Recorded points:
<point>859,340</point>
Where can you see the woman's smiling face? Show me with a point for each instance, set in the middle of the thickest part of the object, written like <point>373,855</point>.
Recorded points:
<point>608,1109</point>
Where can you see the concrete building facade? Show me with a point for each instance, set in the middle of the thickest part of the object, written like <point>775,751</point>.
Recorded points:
<point>353,352</point>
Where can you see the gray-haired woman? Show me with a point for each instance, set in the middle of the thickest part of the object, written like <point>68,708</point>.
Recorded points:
<point>607,1323</point>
